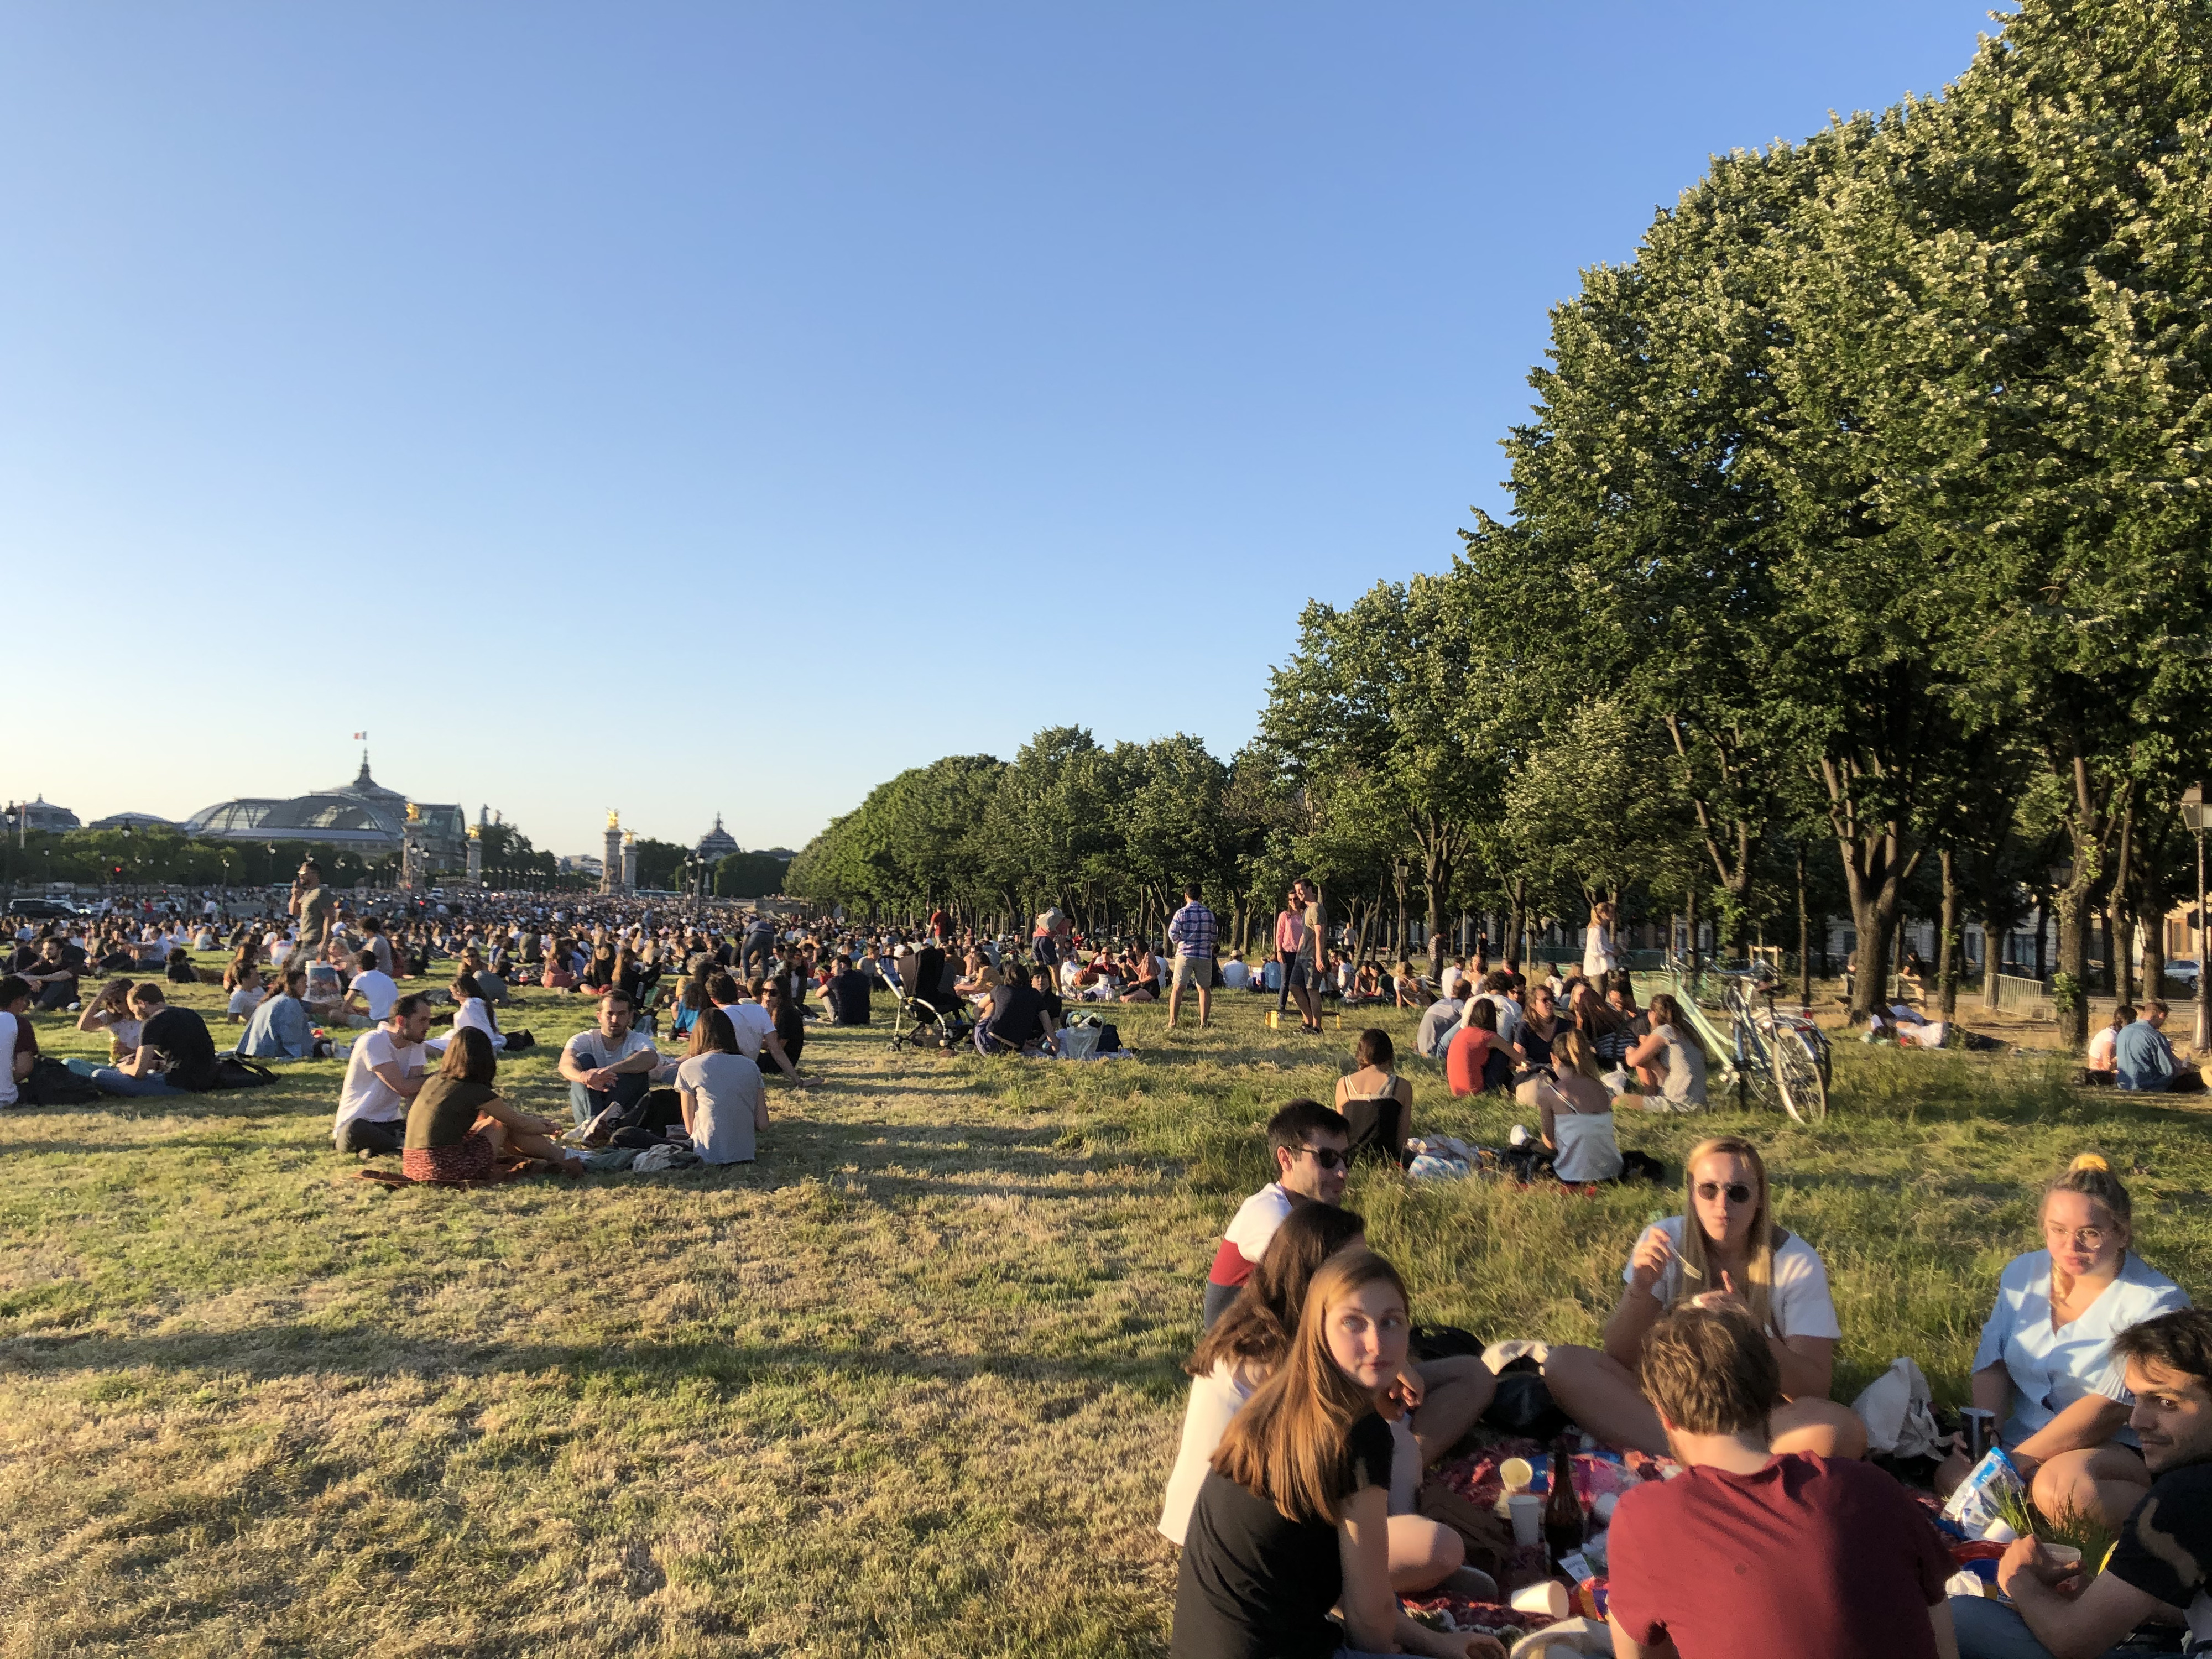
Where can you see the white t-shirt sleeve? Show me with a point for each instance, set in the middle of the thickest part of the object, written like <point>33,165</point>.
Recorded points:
<point>8,1049</point>
<point>1997,1328</point>
<point>1802,1305</point>
<point>1256,1220</point>
<point>2144,1302</point>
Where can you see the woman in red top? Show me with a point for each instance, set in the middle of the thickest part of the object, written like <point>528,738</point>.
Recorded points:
<point>1476,1060</point>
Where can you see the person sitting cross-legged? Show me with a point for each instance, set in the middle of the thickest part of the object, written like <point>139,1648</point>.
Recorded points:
<point>458,1125</point>
<point>1755,1551</point>
<point>1726,1239</point>
<point>384,1073</point>
<point>611,1064</point>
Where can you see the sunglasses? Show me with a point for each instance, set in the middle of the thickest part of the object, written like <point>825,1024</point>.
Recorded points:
<point>1327,1156</point>
<point>1737,1192</point>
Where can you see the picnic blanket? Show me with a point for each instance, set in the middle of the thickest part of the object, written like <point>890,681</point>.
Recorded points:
<point>1596,1474</point>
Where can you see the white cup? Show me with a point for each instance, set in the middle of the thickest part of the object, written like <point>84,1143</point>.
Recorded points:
<point>1547,1597</point>
<point>1527,1509</point>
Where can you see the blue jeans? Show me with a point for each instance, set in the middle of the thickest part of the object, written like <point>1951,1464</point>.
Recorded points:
<point>588,1103</point>
<point>1990,1629</point>
<point>114,1082</point>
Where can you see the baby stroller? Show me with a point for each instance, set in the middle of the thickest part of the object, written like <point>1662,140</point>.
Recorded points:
<point>934,1022</point>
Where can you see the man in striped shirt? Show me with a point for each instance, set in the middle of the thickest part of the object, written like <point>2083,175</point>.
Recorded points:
<point>1193,932</point>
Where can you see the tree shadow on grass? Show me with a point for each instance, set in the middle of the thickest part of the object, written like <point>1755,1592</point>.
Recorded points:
<point>268,1351</point>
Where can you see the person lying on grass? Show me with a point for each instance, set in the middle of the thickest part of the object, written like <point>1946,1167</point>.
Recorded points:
<point>1725,1240</point>
<point>1311,1146</point>
<point>1292,1519</point>
<point>2157,1572</point>
<point>1441,1397</point>
<point>2046,1363</point>
<point>1756,1551</point>
<point>459,1126</point>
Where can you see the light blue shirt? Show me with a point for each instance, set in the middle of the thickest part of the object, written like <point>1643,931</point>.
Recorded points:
<point>2142,1057</point>
<point>280,1030</point>
<point>2050,1370</point>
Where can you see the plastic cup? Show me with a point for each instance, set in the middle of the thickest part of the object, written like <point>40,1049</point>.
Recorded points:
<point>2064,1554</point>
<point>1527,1510</point>
<point>1547,1597</point>
<point>1516,1475</point>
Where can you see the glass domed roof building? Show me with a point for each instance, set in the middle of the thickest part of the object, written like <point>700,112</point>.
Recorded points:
<point>717,843</point>
<point>362,814</point>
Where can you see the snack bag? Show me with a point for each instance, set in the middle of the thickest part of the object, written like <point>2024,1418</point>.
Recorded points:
<point>1974,1505</point>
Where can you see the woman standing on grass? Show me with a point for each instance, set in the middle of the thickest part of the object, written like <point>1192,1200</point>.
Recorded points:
<point>2044,1366</point>
<point>1724,1244</point>
<point>1292,1519</point>
<point>458,1125</point>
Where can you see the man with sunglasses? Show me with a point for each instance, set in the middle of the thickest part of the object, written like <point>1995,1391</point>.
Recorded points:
<point>1312,1148</point>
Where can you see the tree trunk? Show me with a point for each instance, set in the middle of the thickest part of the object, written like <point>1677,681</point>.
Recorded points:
<point>1946,945</point>
<point>1436,876</point>
<point>2119,920</point>
<point>1516,896</point>
<point>1804,938</point>
<point>2070,996</point>
<point>1690,928</point>
<point>2150,899</point>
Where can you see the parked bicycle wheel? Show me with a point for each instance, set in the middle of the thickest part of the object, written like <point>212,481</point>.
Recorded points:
<point>1802,1085</point>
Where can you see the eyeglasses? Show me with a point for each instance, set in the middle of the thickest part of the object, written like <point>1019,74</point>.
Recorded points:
<point>1327,1156</point>
<point>2083,1238</point>
<point>1737,1192</point>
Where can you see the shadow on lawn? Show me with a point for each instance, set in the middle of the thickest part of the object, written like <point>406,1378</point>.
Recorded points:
<point>263,1352</point>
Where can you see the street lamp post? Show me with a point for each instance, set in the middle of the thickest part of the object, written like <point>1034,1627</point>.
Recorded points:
<point>2194,816</point>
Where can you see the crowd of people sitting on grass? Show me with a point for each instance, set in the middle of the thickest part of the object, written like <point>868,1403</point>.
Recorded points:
<point>1296,1494</point>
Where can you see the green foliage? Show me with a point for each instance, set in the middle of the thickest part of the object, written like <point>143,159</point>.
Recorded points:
<point>749,875</point>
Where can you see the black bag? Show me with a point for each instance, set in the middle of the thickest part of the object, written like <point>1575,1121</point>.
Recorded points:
<point>1524,1405</point>
<point>52,1084</point>
<point>1445,1342</point>
<point>1110,1039</point>
<point>233,1073</point>
<point>518,1041</point>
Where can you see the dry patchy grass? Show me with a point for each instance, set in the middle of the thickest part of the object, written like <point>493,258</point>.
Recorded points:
<point>908,1385</point>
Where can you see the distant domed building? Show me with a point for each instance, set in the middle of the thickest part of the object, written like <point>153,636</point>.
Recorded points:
<point>717,843</point>
<point>43,814</point>
<point>134,821</point>
<point>362,814</point>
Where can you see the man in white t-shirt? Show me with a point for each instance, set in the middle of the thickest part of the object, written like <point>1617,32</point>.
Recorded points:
<point>1311,1145</point>
<point>383,1074</point>
<point>368,1000</point>
<point>1441,1019</point>
<point>611,1064</point>
<point>750,1019</point>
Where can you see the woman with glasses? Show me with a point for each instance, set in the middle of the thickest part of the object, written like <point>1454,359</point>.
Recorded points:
<point>2046,1366</point>
<point>1724,1248</point>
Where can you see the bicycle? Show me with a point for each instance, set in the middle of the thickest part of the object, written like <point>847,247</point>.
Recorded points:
<point>1779,1060</point>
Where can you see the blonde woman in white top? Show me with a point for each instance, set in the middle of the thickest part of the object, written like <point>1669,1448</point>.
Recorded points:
<point>1577,1111</point>
<point>1599,955</point>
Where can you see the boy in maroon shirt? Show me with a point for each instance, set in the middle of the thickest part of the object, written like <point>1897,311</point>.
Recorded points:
<point>1747,1555</point>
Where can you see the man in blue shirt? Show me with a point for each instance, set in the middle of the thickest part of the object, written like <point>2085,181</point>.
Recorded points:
<point>1194,934</point>
<point>2143,1059</point>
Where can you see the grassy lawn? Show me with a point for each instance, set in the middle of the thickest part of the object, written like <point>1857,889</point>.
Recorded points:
<point>907,1386</point>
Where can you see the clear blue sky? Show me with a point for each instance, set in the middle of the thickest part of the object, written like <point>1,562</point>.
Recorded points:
<point>687,408</point>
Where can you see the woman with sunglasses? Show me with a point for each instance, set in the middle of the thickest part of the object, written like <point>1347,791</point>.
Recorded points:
<point>1725,1247</point>
<point>2044,1366</point>
<point>1292,1521</point>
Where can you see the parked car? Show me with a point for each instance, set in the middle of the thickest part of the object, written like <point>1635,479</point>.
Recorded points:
<point>2183,971</point>
<point>41,909</point>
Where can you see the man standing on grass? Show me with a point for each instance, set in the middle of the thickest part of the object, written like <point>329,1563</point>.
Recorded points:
<point>311,903</point>
<point>1312,1149</point>
<point>2158,1570</point>
<point>1752,1554</point>
<point>1193,932</point>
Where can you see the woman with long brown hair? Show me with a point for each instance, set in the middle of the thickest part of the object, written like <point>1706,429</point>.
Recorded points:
<point>1292,1520</point>
<point>1725,1247</point>
<point>458,1125</point>
<point>1443,1397</point>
